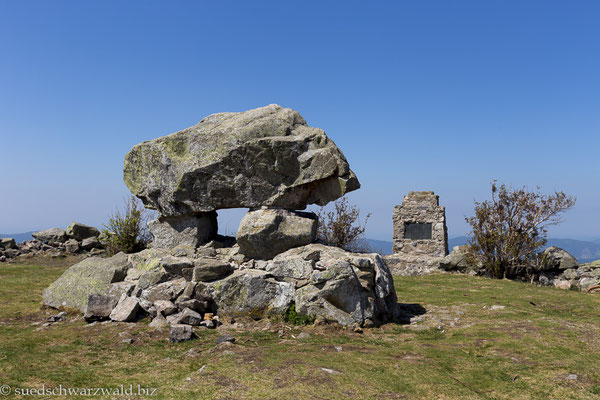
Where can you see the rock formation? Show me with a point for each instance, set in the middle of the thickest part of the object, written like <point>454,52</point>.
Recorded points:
<point>270,161</point>
<point>320,281</point>
<point>56,242</point>
<point>555,267</point>
<point>266,157</point>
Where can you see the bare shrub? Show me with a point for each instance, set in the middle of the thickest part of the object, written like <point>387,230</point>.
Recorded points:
<point>341,227</point>
<point>508,231</point>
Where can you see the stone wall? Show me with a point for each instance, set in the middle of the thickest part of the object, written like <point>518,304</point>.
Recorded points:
<point>420,234</point>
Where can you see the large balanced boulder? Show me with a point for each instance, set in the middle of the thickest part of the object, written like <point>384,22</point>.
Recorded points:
<point>92,276</point>
<point>265,233</point>
<point>79,231</point>
<point>268,156</point>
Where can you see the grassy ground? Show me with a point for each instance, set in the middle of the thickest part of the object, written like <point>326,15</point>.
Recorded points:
<point>461,347</point>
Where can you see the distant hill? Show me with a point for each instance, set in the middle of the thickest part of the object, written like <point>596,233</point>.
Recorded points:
<point>583,251</point>
<point>380,246</point>
<point>19,237</point>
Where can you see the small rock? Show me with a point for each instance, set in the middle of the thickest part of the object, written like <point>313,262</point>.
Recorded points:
<point>208,323</point>
<point>180,333</point>
<point>47,324</point>
<point>99,306</point>
<point>225,338</point>
<point>158,322</point>
<point>191,353</point>
<point>189,317</point>
<point>303,336</point>
<point>562,284</point>
<point>338,348</point>
<point>128,341</point>
<point>72,246</point>
<point>57,318</point>
<point>79,231</point>
<point>497,307</point>
<point>193,304</point>
<point>165,307</point>
<point>331,371</point>
<point>571,377</point>
<point>90,243</point>
<point>126,310</point>
<point>368,323</point>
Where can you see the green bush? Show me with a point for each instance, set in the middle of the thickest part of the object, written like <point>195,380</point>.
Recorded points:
<point>126,231</point>
<point>292,316</point>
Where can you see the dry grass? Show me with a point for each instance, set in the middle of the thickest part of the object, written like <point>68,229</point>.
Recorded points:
<point>459,349</point>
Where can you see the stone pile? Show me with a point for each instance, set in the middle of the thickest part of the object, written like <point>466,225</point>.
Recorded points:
<point>191,286</point>
<point>270,161</point>
<point>556,268</point>
<point>76,238</point>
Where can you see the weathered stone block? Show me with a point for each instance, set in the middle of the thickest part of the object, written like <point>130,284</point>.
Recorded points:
<point>188,230</point>
<point>262,157</point>
<point>180,333</point>
<point>265,233</point>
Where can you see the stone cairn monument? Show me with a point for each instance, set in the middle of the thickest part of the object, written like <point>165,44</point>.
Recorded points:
<point>420,234</point>
<point>269,161</point>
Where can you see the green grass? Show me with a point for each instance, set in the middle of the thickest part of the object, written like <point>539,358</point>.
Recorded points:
<point>460,348</point>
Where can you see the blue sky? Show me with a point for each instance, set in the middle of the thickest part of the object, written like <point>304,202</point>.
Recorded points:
<point>427,95</point>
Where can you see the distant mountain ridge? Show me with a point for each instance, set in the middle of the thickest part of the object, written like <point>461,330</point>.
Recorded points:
<point>584,251</point>
<point>19,237</point>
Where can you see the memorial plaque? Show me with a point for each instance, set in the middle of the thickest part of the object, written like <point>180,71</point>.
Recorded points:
<point>417,230</point>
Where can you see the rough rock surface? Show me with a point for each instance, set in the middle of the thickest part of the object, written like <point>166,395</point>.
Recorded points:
<point>90,243</point>
<point>265,233</point>
<point>181,333</point>
<point>207,269</point>
<point>321,281</point>
<point>91,276</point>
<point>189,230</point>
<point>99,306</point>
<point>459,261</point>
<point>558,259</point>
<point>52,235</point>
<point>7,243</point>
<point>126,310</point>
<point>268,156</point>
<point>79,231</point>
<point>251,293</point>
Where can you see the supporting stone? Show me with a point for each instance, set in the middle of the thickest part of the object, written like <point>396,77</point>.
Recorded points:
<point>266,232</point>
<point>190,230</point>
